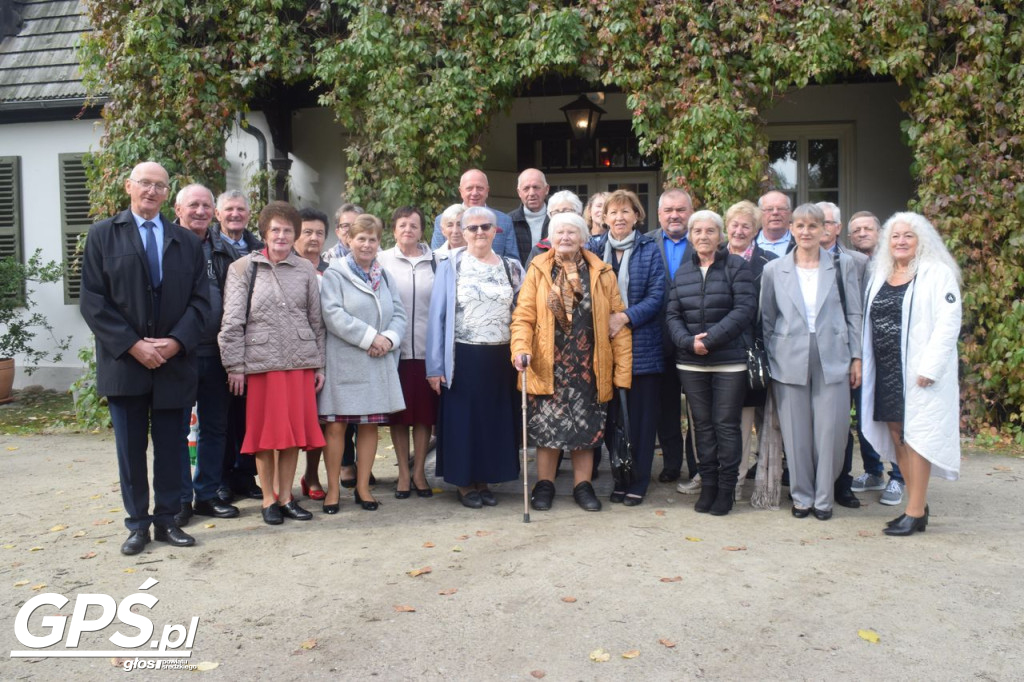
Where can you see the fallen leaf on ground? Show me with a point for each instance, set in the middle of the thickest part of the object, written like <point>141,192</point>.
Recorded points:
<point>12,448</point>
<point>207,665</point>
<point>865,533</point>
<point>129,570</point>
<point>600,656</point>
<point>113,510</point>
<point>456,548</point>
<point>95,497</point>
<point>420,571</point>
<point>209,525</point>
<point>735,548</point>
<point>1002,468</point>
<point>118,662</point>
<point>537,674</point>
<point>404,608</point>
<point>448,592</point>
<point>659,512</point>
<point>36,549</point>
<point>102,522</point>
<point>676,579</point>
<point>667,643</point>
<point>632,653</point>
<point>9,546</point>
<point>693,539</point>
<point>59,526</point>
<point>569,600</point>
<point>868,636</point>
<point>39,586</point>
<point>484,533</point>
<point>21,583</point>
<point>428,545</point>
<point>462,537</point>
<point>88,555</point>
<point>308,644</point>
<point>78,534</point>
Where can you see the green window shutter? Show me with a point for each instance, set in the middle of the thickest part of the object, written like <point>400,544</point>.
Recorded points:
<point>10,208</point>
<point>74,221</point>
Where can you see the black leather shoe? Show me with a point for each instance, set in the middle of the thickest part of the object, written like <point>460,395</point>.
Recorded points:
<point>216,508</point>
<point>136,542</point>
<point>667,476</point>
<point>182,518</point>
<point>585,497</point>
<point>332,508</point>
<point>422,492</point>
<point>632,500</point>
<point>889,524</point>
<point>403,494</point>
<point>849,501</point>
<point>723,502</point>
<point>293,511</point>
<point>617,496</point>
<point>367,505</point>
<point>226,496</point>
<point>801,513</point>
<point>173,535</point>
<point>907,525</point>
<point>487,497</point>
<point>470,499</point>
<point>543,495</point>
<point>708,493</point>
<point>272,515</point>
<point>822,514</point>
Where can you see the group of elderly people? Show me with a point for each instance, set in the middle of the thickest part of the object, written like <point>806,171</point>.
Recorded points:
<point>441,340</point>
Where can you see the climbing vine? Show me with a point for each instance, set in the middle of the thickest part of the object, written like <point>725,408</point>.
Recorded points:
<point>417,84</point>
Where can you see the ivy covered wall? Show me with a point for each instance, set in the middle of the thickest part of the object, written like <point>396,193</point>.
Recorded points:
<point>416,82</point>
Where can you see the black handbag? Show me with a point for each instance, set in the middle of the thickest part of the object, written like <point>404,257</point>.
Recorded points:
<point>758,373</point>
<point>620,448</point>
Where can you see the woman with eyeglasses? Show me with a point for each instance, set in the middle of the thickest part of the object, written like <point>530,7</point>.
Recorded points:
<point>467,362</point>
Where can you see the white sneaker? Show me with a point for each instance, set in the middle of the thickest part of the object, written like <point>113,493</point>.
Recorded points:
<point>866,482</point>
<point>691,487</point>
<point>893,493</point>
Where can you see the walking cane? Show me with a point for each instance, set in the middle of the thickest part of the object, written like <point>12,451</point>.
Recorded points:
<point>524,361</point>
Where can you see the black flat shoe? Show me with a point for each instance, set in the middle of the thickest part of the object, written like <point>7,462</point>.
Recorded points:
<point>822,514</point>
<point>543,495</point>
<point>293,511</point>
<point>215,508</point>
<point>332,508</point>
<point>136,542</point>
<point>889,524</point>
<point>907,525</point>
<point>272,515</point>
<point>367,505</point>
<point>801,513</point>
<point>631,501</point>
<point>422,492</point>
<point>470,499</point>
<point>183,516</point>
<point>173,535</point>
<point>403,494</point>
<point>667,476</point>
<point>849,501</point>
<point>617,496</point>
<point>585,497</point>
<point>348,483</point>
<point>488,498</point>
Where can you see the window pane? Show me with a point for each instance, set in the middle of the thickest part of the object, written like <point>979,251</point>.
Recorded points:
<point>782,159</point>
<point>816,195</point>
<point>823,164</point>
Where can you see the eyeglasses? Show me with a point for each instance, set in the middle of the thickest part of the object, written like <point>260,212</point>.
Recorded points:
<point>831,222</point>
<point>486,227</point>
<point>345,227</point>
<point>556,211</point>
<point>149,184</point>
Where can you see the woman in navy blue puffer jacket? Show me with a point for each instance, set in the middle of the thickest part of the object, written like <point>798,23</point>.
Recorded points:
<point>642,286</point>
<point>711,309</point>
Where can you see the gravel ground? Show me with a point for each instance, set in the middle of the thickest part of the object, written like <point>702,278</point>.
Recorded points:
<point>668,593</point>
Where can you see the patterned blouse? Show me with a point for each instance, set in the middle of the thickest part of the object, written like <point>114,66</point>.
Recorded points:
<point>483,303</point>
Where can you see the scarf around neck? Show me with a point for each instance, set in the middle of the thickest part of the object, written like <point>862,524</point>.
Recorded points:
<point>626,246</point>
<point>566,289</point>
<point>372,278</point>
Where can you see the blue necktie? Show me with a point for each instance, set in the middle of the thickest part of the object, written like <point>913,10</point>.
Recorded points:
<point>152,255</point>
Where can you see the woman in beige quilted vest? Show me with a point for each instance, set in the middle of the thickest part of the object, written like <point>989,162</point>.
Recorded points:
<point>272,346</point>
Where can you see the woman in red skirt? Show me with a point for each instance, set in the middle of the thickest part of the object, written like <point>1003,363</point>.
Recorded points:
<point>272,338</point>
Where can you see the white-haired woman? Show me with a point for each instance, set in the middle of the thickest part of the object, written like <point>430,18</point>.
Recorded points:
<point>910,402</point>
<point>451,230</point>
<point>467,362</point>
<point>563,201</point>
<point>560,338</point>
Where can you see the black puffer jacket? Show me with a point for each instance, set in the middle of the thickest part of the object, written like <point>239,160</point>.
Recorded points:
<point>724,305</point>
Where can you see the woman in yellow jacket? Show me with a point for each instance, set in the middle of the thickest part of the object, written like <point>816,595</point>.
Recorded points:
<point>560,337</point>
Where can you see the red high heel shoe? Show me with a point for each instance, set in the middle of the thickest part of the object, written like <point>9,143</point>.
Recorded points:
<point>310,493</point>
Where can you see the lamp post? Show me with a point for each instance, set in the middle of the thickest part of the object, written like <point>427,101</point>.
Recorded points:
<point>582,116</point>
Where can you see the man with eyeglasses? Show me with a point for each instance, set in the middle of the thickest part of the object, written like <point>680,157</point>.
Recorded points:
<point>776,215</point>
<point>474,190</point>
<point>343,219</point>
<point>145,296</point>
<point>530,220</point>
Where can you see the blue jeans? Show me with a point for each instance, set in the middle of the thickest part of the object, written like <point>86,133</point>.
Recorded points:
<point>212,408</point>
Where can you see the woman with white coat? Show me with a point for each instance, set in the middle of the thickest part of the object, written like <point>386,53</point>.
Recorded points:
<point>910,403</point>
<point>365,324</point>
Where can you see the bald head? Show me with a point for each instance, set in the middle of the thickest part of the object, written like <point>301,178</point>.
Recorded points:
<point>532,189</point>
<point>474,188</point>
<point>148,185</point>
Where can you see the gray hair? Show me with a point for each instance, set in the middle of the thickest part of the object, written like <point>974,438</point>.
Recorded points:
<point>809,211</point>
<point>789,202</point>
<point>478,212</point>
<point>573,219</point>
<point>674,193</point>
<point>180,196</point>
<point>930,248</point>
<point>232,194</point>
<point>836,216</point>
<point>453,212</point>
<point>347,208</point>
<point>707,216</point>
<point>566,197</point>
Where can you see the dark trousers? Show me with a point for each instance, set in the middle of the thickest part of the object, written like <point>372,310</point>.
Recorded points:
<point>716,403</point>
<point>670,431</point>
<point>212,408</point>
<point>644,403</point>
<point>236,466</point>
<point>348,455</point>
<point>133,417</point>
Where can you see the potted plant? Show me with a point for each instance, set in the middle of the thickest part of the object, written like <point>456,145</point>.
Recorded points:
<point>20,322</point>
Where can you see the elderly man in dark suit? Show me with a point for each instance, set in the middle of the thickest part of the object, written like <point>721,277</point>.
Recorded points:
<point>530,221</point>
<point>146,298</point>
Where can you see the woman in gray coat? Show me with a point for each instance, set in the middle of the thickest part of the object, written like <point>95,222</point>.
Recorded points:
<point>365,323</point>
